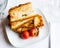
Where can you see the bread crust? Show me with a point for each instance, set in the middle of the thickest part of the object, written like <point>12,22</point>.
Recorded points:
<point>20,5</point>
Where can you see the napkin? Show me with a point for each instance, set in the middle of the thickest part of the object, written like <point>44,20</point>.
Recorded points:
<point>55,35</point>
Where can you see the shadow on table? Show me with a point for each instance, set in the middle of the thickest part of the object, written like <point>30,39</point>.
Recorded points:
<point>4,31</point>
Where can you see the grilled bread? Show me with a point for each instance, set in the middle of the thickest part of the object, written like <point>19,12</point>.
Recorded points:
<point>23,11</point>
<point>37,22</point>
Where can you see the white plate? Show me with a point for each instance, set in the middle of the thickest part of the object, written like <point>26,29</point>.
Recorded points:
<point>16,41</point>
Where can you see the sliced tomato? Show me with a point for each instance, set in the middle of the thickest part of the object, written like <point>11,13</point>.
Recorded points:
<point>34,32</point>
<point>25,35</point>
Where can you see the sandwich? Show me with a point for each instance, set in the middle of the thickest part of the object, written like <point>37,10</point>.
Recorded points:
<point>24,17</point>
<point>21,12</point>
<point>36,23</point>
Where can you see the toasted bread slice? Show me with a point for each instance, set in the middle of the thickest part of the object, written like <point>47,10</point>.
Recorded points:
<point>38,21</point>
<point>23,11</point>
<point>18,24</point>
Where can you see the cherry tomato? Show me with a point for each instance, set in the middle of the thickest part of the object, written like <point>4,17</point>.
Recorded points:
<point>33,32</point>
<point>25,35</point>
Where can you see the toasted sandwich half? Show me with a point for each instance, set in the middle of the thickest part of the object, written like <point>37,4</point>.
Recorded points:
<point>21,12</point>
<point>36,23</point>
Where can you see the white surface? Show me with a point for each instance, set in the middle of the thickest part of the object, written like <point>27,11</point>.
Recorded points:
<point>55,35</point>
<point>16,41</point>
<point>49,8</point>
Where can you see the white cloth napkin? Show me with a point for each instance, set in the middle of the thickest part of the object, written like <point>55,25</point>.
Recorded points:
<point>55,35</point>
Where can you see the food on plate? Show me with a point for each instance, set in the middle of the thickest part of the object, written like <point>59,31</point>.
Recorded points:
<point>24,20</point>
<point>38,21</point>
<point>21,12</point>
<point>34,32</point>
<point>25,35</point>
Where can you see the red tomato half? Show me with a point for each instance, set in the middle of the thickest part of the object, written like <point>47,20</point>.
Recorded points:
<point>25,35</point>
<point>33,32</point>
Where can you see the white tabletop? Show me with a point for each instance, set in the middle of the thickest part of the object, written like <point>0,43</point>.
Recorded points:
<point>48,7</point>
<point>55,35</point>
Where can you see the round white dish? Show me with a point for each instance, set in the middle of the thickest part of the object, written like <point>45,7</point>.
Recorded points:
<point>16,41</point>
